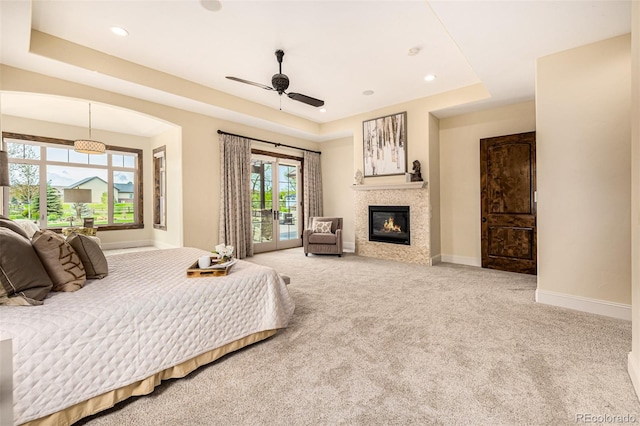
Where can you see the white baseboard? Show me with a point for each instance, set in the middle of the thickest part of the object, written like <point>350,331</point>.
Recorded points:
<point>161,245</point>
<point>349,247</point>
<point>584,304</point>
<point>461,260</point>
<point>634,373</point>
<point>130,244</point>
<point>436,259</point>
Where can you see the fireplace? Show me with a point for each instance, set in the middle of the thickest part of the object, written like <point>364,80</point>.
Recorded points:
<point>389,224</point>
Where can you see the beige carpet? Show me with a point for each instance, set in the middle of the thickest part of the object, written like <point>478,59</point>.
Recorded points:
<point>384,343</point>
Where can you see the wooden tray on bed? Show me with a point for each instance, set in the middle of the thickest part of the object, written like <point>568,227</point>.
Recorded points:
<point>194,271</point>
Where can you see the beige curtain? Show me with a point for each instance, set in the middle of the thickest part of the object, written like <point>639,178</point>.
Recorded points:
<point>312,185</point>
<point>235,194</point>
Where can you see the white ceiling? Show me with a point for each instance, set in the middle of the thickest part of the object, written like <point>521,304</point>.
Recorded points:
<point>334,50</point>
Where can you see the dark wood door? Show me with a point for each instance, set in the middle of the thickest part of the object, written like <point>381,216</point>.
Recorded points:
<point>508,184</point>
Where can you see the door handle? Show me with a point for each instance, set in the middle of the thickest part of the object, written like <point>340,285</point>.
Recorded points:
<point>275,215</point>
<point>484,219</point>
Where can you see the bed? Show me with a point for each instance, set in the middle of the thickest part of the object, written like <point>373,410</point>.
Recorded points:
<point>83,351</point>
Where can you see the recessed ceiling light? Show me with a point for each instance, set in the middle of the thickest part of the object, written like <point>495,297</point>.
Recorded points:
<point>323,110</point>
<point>119,31</point>
<point>212,5</point>
<point>429,77</point>
<point>368,92</point>
<point>413,51</point>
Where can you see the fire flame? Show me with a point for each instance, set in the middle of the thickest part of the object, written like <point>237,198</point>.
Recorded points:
<point>389,226</point>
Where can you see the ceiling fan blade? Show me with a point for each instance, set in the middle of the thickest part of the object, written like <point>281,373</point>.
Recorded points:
<point>305,99</point>
<point>250,82</point>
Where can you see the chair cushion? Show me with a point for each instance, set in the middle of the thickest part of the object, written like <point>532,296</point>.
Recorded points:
<point>322,227</point>
<point>334,222</point>
<point>321,238</point>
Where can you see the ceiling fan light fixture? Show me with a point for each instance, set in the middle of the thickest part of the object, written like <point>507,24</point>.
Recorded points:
<point>280,83</point>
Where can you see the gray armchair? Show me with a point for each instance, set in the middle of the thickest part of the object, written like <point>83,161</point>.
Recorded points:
<point>323,242</point>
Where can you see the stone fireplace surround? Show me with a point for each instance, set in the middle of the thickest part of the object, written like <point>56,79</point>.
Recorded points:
<point>413,194</point>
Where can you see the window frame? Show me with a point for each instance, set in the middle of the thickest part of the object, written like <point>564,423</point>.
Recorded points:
<point>160,188</point>
<point>138,188</point>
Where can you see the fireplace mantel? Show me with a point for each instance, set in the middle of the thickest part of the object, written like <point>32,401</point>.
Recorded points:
<point>404,185</point>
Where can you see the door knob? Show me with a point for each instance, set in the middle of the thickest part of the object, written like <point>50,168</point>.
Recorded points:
<point>484,219</point>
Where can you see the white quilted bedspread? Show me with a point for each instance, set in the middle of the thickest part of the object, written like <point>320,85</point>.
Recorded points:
<point>144,317</point>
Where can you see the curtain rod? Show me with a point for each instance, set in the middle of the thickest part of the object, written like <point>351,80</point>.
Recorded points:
<point>220,132</point>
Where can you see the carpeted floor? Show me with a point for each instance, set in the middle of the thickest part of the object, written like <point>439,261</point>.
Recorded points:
<point>383,343</point>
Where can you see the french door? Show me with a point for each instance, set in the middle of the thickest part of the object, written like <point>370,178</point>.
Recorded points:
<point>275,203</point>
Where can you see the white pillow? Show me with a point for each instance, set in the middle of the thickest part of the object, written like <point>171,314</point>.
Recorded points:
<point>29,227</point>
<point>322,227</point>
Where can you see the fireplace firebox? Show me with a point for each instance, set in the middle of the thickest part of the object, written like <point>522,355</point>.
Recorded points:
<point>389,224</point>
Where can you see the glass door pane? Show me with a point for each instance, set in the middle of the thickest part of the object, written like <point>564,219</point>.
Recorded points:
<point>262,203</point>
<point>288,202</point>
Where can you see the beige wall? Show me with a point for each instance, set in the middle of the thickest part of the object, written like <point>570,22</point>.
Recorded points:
<point>337,178</point>
<point>634,356</point>
<point>420,125</point>
<point>172,141</point>
<point>583,164</point>
<point>460,174</point>
<point>200,150</point>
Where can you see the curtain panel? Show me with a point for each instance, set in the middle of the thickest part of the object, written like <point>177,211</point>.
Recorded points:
<point>312,184</point>
<point>235,194</point>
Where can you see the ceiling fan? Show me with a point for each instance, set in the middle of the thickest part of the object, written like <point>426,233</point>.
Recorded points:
<point>280,83</point>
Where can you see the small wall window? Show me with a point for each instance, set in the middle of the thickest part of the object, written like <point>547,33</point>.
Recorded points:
<point>160,188</point>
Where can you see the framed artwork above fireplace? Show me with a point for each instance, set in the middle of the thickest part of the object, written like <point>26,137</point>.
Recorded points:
<point>385,145</point>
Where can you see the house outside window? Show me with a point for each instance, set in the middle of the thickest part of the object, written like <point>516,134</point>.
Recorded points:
<point>44,172</point>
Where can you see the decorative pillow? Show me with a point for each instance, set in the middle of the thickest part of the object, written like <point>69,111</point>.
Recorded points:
<point>5,222</point>
<point>92,257</point>
<point>322,227</point>
<point>60,260</point>
<point>23,279</point>
<point>28,226</point>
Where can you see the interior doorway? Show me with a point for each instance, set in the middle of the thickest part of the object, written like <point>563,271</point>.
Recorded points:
<point>276,202</point>
<point>508,204</point>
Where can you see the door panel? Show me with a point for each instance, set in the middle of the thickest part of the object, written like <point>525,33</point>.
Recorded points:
<point>508,175</point>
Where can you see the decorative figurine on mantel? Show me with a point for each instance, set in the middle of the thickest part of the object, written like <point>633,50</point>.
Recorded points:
<point>357,179</point>
<point>416,176</point>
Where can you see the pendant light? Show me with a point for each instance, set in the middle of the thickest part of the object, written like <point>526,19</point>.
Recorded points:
<point>89,146</point>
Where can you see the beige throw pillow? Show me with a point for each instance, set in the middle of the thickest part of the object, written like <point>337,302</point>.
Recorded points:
<point>60,260</point>
<point>322,227</point>
<point>93,259</point>
<point>23,279</point>
<point>5,222</point>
